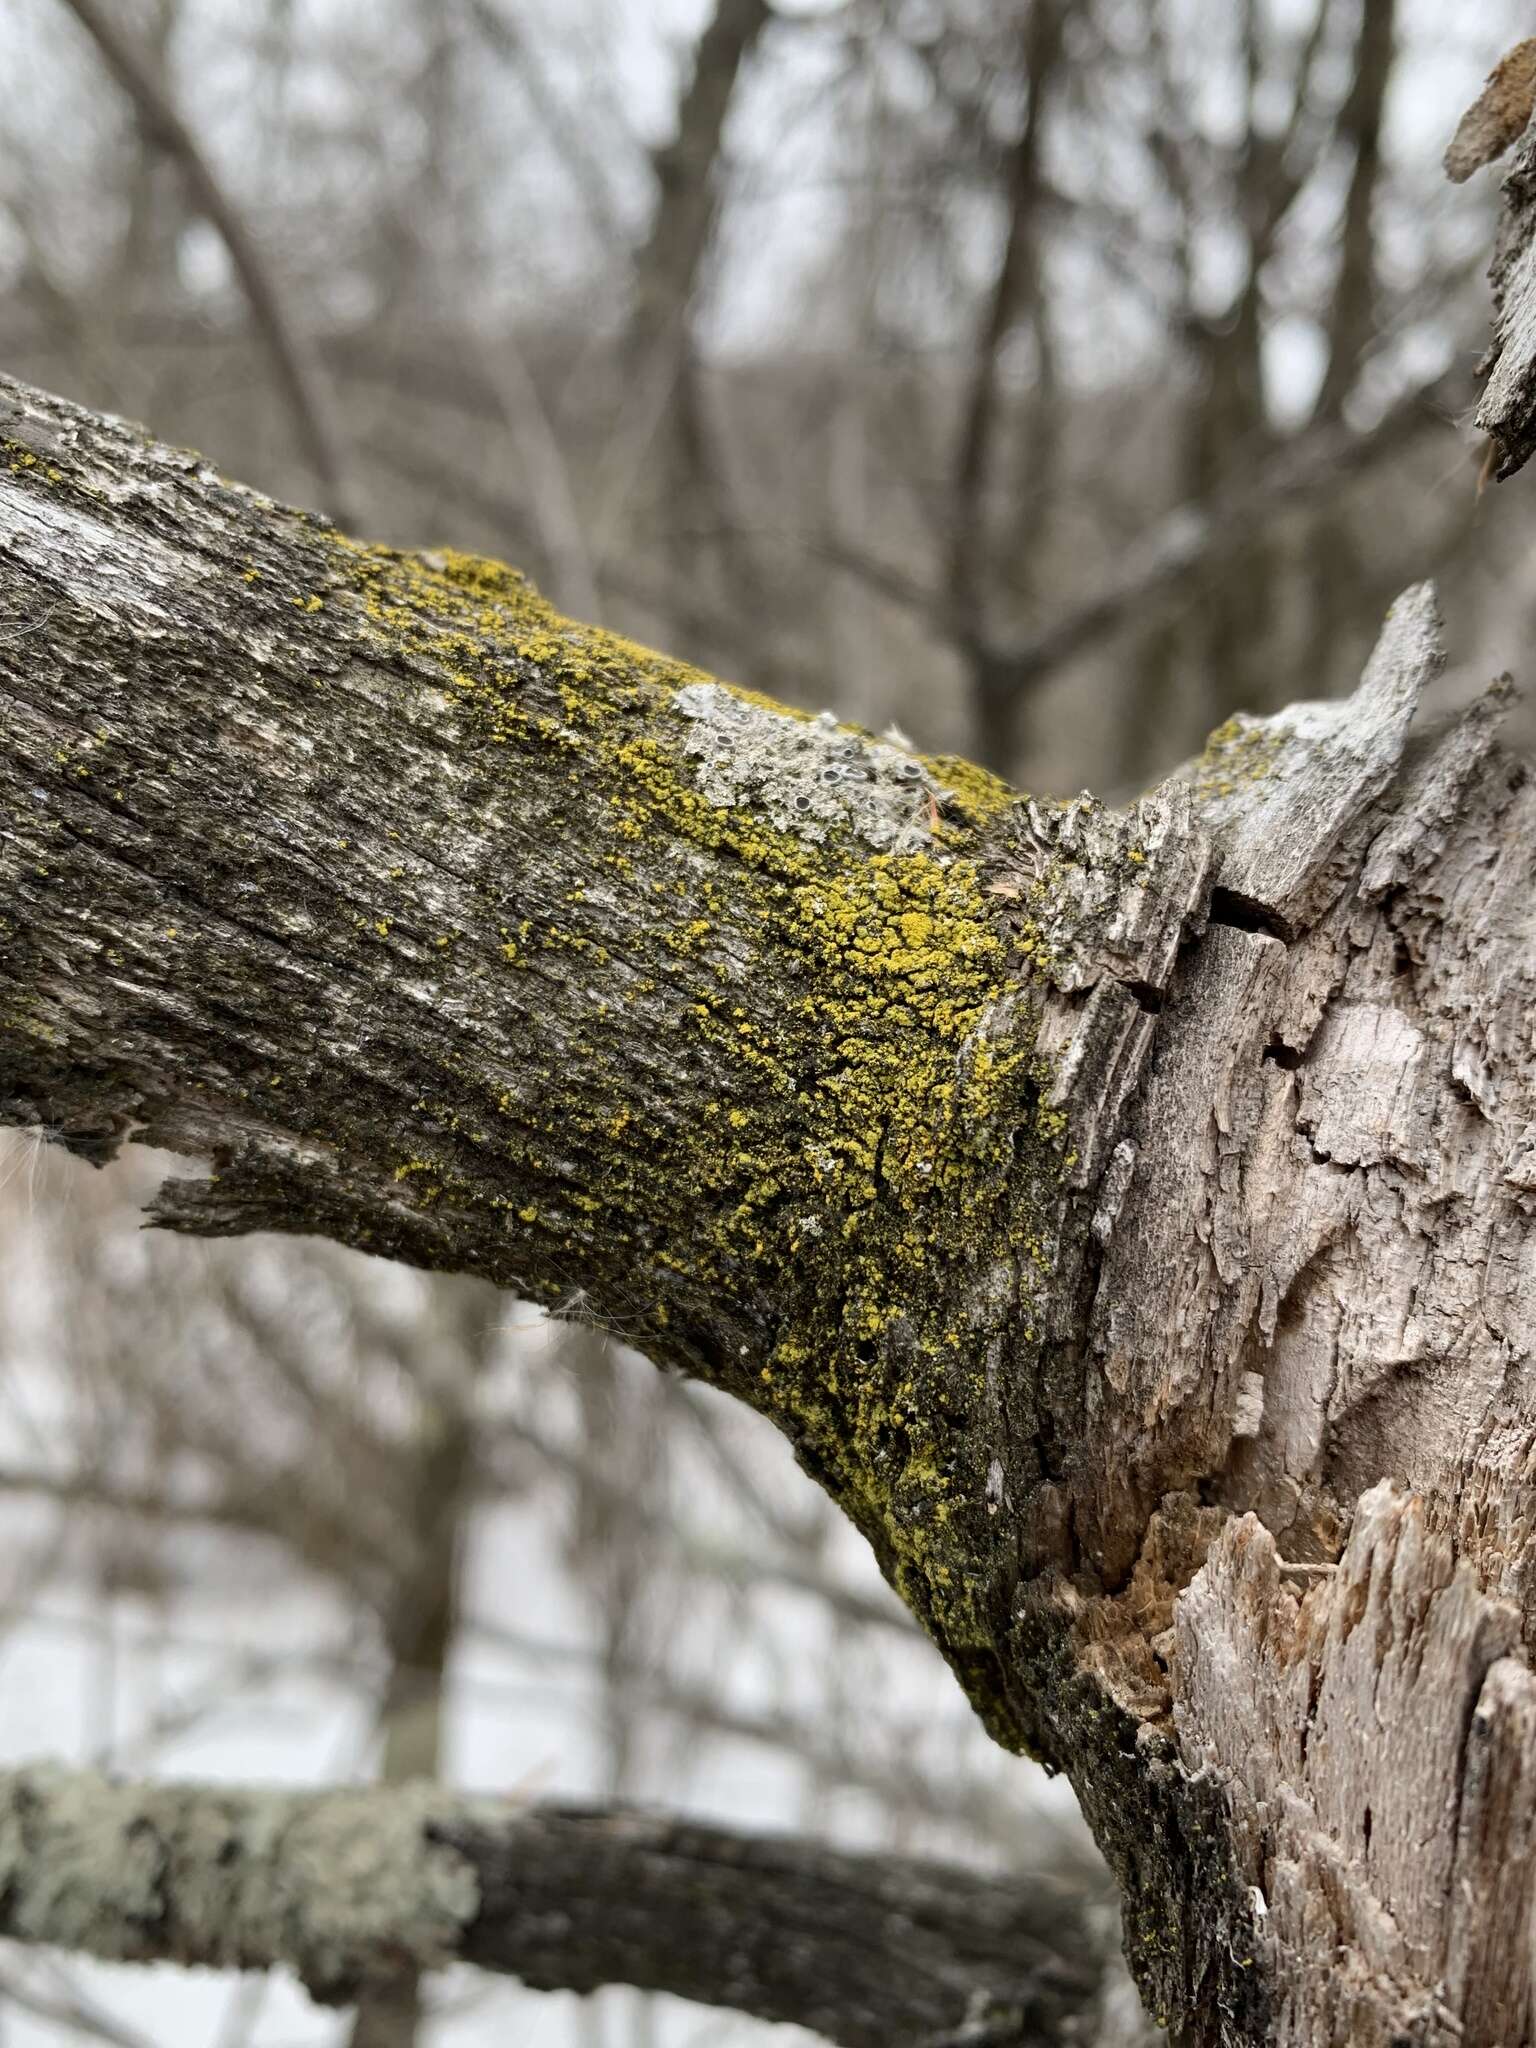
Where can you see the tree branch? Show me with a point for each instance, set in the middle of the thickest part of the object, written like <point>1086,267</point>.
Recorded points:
<point>1102,1203</point>
<point>1193,540</point>
<point>670,263</point>
<point>1197,537</point>
<point>298,366</point>
<point>358,1890</point>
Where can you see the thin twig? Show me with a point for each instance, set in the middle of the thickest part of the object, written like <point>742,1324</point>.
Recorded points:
<point>68,2008</point>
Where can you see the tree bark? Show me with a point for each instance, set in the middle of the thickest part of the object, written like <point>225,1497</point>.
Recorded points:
<point>358,1891</point>
<point>1126,1216</point>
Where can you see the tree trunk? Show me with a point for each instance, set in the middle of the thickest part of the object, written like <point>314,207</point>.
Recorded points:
<point>1126,1216</point>
<point>418,1629</point>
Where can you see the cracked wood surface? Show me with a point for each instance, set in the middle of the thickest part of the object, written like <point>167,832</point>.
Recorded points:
<point>1127,1216</point>
<point>1500,118</point>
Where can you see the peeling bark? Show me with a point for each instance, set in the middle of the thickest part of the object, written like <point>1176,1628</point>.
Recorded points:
<point>1126,1216</point>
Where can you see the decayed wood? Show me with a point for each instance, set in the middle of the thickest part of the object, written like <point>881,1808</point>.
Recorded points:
<point>1500,117</point>
<point>1104,1204</point>
<point>1375,1732</point>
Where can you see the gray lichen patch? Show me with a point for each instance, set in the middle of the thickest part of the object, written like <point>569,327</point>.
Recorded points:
<point>327,1883</point>
<point>809,776</point>
<point>372,1881</point>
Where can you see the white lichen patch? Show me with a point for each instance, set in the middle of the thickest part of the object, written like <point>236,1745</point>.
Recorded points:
<point>809,776</point>
<point>344,1887</point>
<point>351,1877</point>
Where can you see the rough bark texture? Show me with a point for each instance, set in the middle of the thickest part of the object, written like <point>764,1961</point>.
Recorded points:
<point>358,1891</point>
<point>1500,117</point>
<point>1126,1216</point>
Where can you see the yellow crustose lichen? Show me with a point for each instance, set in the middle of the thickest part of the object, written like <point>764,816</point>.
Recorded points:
<point>875,1139</point>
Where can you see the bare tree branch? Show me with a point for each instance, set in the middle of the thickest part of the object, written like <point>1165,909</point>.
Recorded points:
<point>1195,537</point>
<point>1351,318</point>
<point>1016,297</point>
<point>569,131</point>
<point>547,490</point>
<point>1190,541</point>
<point>669,264</point>
<point>1016,1160</point>
<point>298,366</point>
<point>358,1891</point>
<point>65,2007</point>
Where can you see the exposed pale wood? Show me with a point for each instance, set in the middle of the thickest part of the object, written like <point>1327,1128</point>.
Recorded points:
<point>1374,1735</point>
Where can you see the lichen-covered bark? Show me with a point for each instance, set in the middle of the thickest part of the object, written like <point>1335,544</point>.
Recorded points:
<point>485,940</point>
<point>1103,1204</point>
<point>355,1891</point>
<point>1499,118</point>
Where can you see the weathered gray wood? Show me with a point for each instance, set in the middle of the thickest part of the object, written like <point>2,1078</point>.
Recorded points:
<point>1373,1728</point>
<point>1499,118</point>
<point>1105,1205</point>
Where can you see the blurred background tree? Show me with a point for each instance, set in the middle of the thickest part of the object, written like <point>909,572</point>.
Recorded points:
<point>1051,377</point>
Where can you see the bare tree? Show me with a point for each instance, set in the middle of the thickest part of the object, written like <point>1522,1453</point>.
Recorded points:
<point>297,368</point>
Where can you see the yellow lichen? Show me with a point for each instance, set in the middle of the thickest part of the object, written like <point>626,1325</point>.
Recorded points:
<point>1238,753</point>
<point>875,1162</point>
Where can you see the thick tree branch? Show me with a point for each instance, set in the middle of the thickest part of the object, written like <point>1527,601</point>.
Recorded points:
<point>1103,1204</point>
<point>595,977</point>
<point>357,1891</point>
